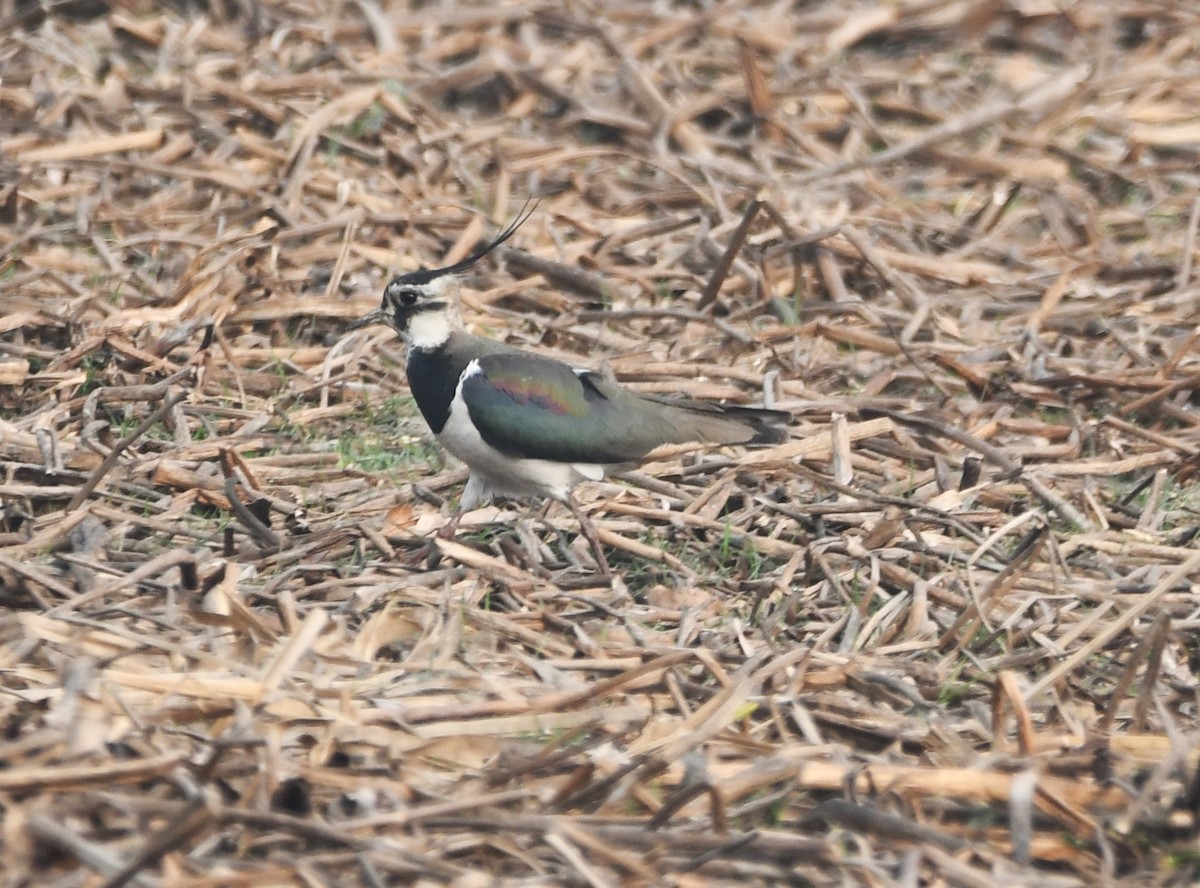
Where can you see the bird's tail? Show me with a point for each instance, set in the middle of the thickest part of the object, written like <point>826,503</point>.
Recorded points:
<point>725,424</point>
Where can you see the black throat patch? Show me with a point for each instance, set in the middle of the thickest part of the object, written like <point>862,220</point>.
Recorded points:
<point>433,377</point>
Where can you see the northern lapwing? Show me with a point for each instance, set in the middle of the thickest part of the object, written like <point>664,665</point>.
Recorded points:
<point>528,425</point>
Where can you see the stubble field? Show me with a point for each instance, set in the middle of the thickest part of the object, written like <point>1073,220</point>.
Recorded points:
<point>946,635</point>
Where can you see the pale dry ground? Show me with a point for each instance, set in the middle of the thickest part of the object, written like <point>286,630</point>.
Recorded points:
<point>945,636</point>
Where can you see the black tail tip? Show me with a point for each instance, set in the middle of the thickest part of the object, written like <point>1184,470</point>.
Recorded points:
<point>770,426</point>
<point>770,431</point>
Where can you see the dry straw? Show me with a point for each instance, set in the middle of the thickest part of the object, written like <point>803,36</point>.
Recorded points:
<point>946,635</point>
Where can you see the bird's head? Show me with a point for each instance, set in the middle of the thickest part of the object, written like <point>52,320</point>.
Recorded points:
<point>422,305</point>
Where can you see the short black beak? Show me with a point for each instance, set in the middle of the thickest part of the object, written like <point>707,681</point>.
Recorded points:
<point>378,316</point>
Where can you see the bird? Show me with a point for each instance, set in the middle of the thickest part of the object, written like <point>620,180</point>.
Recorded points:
<point>530,426</point>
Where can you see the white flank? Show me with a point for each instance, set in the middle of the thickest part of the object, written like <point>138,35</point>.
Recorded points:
<point>493,473</point>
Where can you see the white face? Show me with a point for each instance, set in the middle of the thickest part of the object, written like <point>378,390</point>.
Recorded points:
<point>432,327</point>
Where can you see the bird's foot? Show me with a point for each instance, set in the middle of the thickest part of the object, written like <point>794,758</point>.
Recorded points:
<point>427,555</point>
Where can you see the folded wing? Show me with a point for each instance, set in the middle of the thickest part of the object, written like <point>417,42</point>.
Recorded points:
<point>537,408</point>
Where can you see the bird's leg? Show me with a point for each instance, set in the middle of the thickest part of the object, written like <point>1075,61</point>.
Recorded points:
<point>428,553</point>
<point>589,531</point>
<point>473,494</point>
<point>450,528</point>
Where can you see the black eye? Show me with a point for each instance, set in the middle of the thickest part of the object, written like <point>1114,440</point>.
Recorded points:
<point>408,298</point>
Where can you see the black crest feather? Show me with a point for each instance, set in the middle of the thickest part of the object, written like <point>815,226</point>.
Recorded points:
<point>425,275</point>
